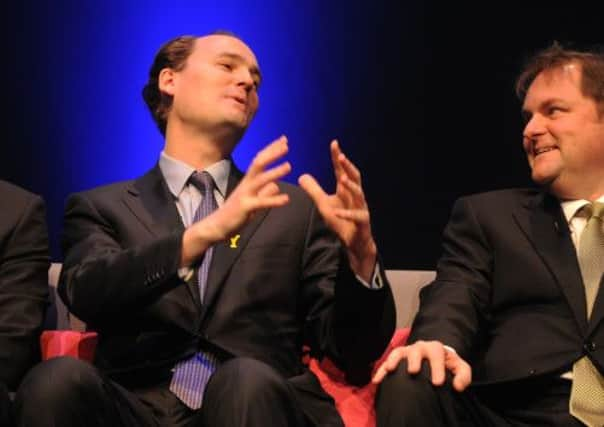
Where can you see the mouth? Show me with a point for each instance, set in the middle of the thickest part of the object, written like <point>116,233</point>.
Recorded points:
<point>239,100</point>
<point>542,150</point>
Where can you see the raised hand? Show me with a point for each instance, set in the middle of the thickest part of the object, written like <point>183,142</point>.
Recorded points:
<point>346,212</point>
<point>257,190</point>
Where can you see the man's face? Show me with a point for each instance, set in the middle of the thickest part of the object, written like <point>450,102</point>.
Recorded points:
<point>217,86</point>
<point>564,135</point>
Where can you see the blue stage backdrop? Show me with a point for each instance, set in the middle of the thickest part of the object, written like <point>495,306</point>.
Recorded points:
<point>420,94</point>
<point>81,118</point>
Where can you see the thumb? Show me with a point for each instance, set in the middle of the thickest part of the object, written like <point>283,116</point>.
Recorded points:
<point>312,188</point>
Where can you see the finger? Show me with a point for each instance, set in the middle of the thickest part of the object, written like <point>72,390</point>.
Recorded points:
<point>270,175</point>
<point>335,151</point>
<point>343,192</point>
<point>389,365</point>
<point>437,365</point>
<point>312,187</point>
<point>379,375</point>
<point>462,372</point>
<point>435,355</point>
<point>257,203</point>
<point>359,216</point>
<point>269,189</point>
<point>414,359</point>
<point>358,196</point>
<point>268,155</point>
<point>349,168</point>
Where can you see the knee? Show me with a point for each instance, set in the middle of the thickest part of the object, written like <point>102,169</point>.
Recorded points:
<point>400,382</point>
<point>63,379</point>
<point>251,378</point>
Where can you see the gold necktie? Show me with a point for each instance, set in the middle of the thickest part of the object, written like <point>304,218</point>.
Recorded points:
<point>587,394</point>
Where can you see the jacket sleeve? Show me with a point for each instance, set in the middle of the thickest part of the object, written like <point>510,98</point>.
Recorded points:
<point>346,321</point>
<point>104,275</point>
<point>23,292</point>
<point>454,307</point>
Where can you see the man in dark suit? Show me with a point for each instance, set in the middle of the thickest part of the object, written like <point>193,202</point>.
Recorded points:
<point>216,299</point>
<point>515,310</point>
<point>24,263</point>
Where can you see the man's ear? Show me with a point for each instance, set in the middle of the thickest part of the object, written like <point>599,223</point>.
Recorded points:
<point>166,81</point>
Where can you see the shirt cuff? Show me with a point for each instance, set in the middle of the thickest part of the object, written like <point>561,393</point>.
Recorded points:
<point>185,273</point>
<point>377,282</point>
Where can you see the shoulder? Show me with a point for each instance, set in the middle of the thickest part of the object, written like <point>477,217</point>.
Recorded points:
<point>22,203</point>
<point>27,211</point>
<point>494,210</point>
<point>103,193</point>
<point>11,194</point>
<point>505,199</point>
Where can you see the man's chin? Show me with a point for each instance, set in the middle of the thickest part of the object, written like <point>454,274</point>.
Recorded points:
<point>562,190</point>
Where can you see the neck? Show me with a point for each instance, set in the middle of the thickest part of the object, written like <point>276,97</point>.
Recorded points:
<point>586,192</point>
<point>198,149</point>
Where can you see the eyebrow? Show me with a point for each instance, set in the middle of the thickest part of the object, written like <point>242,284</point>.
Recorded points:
<point>546,103</point>
<point>254,69</point>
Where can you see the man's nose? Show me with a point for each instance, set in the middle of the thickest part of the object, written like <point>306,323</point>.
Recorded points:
<point>534,127</point>
<point>245,78</point>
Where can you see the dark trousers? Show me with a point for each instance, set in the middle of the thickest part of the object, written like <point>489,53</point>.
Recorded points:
<point>404,400</point>
<point>6,418</point>
<point>66,392</point>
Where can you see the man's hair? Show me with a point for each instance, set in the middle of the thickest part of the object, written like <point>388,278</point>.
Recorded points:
<point>556,56</point>
<point>173,54</point>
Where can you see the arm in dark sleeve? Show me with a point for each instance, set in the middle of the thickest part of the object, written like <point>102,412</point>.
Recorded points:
<point>455,306</point>
<point>24,267</point>
<point>346,321</point>
<point>108,271</point>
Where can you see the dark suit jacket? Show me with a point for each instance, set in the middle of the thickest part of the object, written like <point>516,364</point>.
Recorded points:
<point>508,295</point>
<point>24,263</point>
<point>284,285</point>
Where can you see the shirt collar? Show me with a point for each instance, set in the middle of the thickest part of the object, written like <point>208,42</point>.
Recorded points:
<point>571,207</point>
<point>177,173</point>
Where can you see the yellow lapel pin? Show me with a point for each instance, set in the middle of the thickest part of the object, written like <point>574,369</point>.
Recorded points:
<point>234,241</point>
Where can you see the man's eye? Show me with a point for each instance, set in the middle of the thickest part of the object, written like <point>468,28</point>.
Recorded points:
<point>554,110</point>
<point>226,66</point>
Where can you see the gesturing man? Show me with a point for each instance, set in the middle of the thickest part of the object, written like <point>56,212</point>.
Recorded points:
<point>205,283</point>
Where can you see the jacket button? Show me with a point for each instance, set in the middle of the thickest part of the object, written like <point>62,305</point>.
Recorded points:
<point>532,372</point>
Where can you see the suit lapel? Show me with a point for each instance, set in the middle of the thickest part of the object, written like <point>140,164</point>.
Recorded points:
<point>227,252</point>
<point>545,225</point>
<point>151,201</point>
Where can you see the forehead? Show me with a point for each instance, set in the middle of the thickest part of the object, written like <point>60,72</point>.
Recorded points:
<point>213,46</point>
<point>563,82</point>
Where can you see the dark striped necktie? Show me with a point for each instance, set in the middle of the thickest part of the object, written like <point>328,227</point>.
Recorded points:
<point>192,375</point>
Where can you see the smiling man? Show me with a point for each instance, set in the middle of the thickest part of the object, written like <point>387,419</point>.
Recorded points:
<point>511,332</point>
<point>204,283</point>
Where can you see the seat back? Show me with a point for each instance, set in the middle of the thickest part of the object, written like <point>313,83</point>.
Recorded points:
<point>406,285</point>
<point>405,288</point>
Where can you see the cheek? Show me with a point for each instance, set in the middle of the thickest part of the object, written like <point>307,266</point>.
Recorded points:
<point>526,145</point>
<point>254,104</point>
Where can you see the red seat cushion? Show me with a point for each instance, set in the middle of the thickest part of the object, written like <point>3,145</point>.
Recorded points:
<point>80,345</point>
<point>355,404</point>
